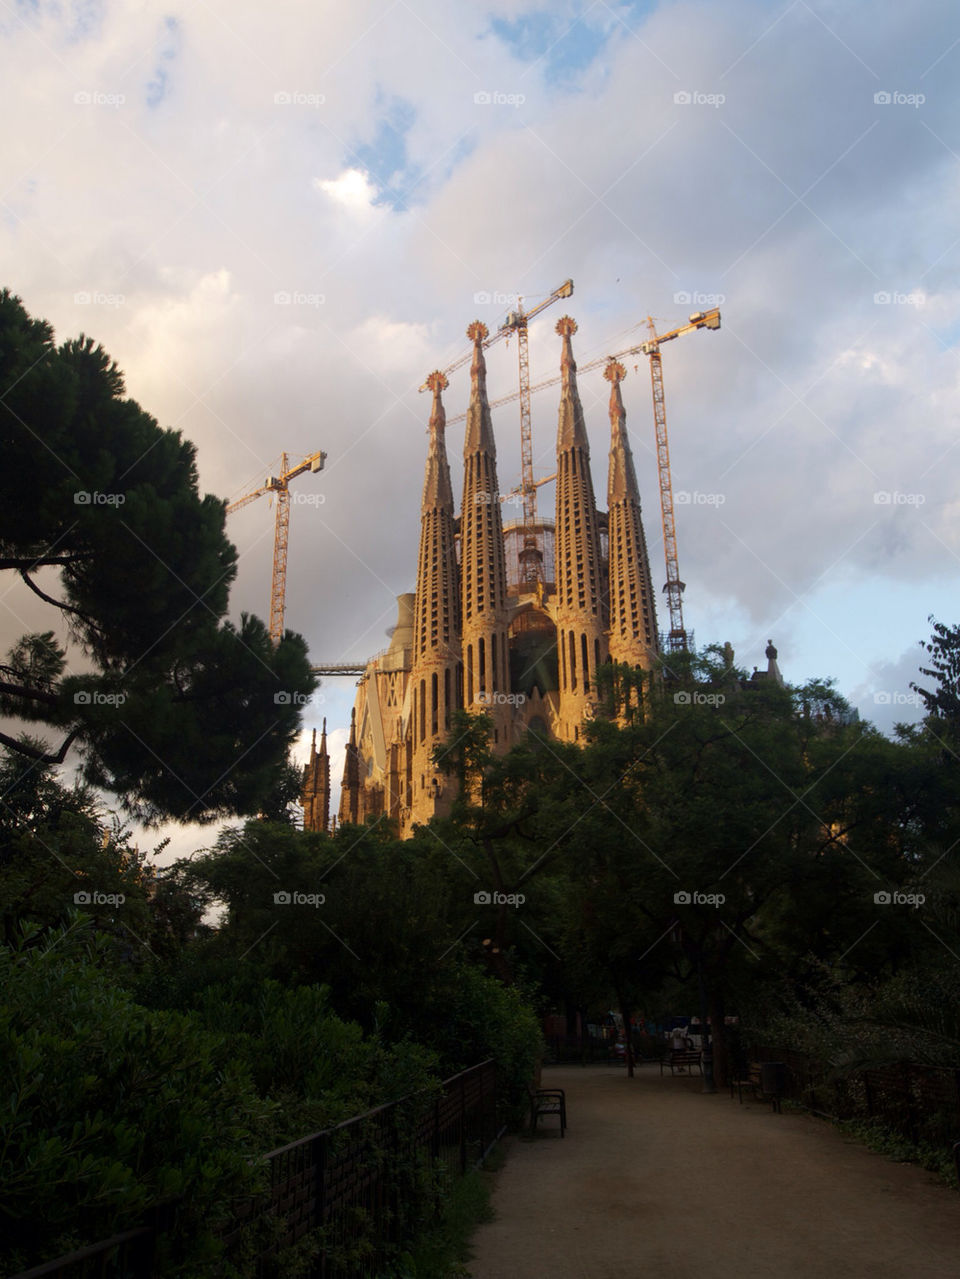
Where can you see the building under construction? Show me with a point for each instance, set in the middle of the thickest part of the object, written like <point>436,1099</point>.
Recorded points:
<point>513,620</point>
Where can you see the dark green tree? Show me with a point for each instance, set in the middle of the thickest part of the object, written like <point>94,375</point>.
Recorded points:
<point>179,712</point>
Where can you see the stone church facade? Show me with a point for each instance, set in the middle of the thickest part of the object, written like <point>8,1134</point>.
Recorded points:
<point>514,620</point>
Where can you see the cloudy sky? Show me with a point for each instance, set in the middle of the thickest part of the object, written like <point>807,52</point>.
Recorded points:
<point>278,221</point>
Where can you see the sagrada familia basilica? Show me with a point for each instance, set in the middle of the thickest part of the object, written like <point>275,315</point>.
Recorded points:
<point>508,620</point>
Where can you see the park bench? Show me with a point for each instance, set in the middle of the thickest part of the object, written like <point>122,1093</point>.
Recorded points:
<point>681,1059</point>
<point>749,1075</point>
<point>547,1101</point>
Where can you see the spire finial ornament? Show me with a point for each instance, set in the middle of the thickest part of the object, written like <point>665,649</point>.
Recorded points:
<point>477,331</point>
<point>614,372</point>
<point>566,326</point>
<point>437,381</point>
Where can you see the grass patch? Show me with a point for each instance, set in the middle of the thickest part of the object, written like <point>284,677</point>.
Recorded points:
<point>442,1253</point>
<point>889,1142</point>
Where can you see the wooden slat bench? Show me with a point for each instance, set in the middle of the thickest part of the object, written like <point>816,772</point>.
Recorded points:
<point>749,1076</point>
<point>547,1101</point>
<point>681,1059</point>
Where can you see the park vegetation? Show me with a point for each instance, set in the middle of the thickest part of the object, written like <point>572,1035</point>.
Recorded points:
<point>718,843</point>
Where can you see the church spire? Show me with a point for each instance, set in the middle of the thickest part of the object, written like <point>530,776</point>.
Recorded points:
<point>633,622</point>
<point>350,784</point>
<point>437,491</point>
<point>581,639</point>
<point>482,559</point>
<point>315,789</point>
<point>434,678</point>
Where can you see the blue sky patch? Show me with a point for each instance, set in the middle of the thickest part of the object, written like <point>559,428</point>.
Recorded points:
<point>158,86</point>
<point>384,159</point>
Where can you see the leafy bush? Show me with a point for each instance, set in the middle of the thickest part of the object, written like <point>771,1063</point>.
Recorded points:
<point>111,1108</point>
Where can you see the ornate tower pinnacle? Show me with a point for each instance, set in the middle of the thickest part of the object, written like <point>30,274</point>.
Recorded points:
<point>350,785</point>
<point>435,675</point>
<point>581,638</point>
<point>633,622</point>
<point>482,559</point>
<point>315,789</point>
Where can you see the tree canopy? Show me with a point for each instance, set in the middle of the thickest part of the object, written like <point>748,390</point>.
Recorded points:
<point>178,711</point>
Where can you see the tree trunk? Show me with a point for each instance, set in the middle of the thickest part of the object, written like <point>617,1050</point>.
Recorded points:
<point>718,1033</point>
<point>627,1036</point>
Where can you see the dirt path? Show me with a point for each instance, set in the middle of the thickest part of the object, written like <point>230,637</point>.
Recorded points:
<point>655,1178</point>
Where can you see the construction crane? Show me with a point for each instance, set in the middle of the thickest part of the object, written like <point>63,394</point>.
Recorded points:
<point>505,330</point>
<point>676,636</point>
<point>280,485</point>
<point>531,557</point>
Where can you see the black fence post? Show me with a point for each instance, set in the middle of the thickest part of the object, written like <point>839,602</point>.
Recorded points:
<point>463,1124</point>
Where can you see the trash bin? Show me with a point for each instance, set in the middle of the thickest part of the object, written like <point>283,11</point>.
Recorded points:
<point>773,1078</point>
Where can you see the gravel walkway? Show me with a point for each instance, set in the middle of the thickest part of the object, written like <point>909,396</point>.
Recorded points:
<point>655,1178</point>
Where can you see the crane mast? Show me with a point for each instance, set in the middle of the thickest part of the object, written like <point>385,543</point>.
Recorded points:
<point>280,485</point>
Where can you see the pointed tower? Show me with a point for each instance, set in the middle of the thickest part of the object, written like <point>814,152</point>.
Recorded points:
<point>581,637</point>
<point>436,675</point>
<point>633,621</point>
<point>350,786</point>
<point>315,793</point>
<point>483,564</point>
